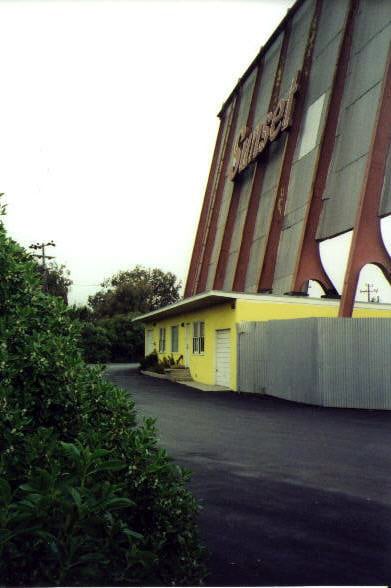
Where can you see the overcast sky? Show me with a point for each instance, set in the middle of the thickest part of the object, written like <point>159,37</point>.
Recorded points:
<point>108,124</point>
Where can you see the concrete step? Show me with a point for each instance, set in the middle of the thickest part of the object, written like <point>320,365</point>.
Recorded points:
<point>179,374</point>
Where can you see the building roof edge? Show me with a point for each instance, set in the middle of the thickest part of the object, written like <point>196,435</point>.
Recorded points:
<point>213,297</point>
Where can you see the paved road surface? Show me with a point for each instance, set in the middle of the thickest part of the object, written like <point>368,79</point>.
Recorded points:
<point>291,494</point>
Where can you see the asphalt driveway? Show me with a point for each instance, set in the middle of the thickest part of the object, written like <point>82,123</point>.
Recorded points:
<point>291,494</point>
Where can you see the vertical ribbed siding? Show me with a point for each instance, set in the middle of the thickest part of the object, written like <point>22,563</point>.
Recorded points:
<point>355,364</point>
<point>323,361</point>
<point>252,360</point>
<point>292,352</point>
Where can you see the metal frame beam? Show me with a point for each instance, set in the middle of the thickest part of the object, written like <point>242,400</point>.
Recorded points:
<point>200,235</point>
<point>309,264</point>
<point>257,180</point>
<point>265,283</point>
<point>235,198</point>
<point>214,209</point>
<point>367,244</point>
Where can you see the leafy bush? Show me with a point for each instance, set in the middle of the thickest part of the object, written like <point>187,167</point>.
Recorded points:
<point>168,361</point>
<point>86,495</point>
<point>152,363</point>
<point>95,343</point>
<point>149,361</point>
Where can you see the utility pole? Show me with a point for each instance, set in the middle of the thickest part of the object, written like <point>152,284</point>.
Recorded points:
<point>370,290</point>
<point>44,257</point>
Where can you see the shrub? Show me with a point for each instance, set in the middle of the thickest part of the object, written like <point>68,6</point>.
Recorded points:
<point>86,495</point>
<point>168,361</point>
<point>149,361</point>
<point>152,363</point>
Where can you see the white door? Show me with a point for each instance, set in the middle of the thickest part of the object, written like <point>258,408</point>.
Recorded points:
<point>188,341</point>
<point>223,357</point>
<point>148,342</point>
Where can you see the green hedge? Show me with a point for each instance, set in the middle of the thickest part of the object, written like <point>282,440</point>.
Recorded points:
<point>87,496</point>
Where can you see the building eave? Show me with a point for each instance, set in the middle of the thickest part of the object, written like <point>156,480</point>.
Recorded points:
<point>216,297</point>
<point>190,304</point>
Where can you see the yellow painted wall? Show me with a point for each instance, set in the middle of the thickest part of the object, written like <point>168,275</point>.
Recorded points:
<point>202,366</point>
<point>369,313</point>
<point>249,310</point>
<point>223,316</point>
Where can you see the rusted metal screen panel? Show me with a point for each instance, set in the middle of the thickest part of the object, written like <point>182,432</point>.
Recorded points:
<point>358,94</point>
<point>244,195</point>
<point>225,120</point>
<point>226,154</point>
<point>205,216</point>
<point>354,362</point>
<point>375,15</point>
<point>371,40</point>
<point>331,24</point>
<point>245,100</point>
<point>297,43</point>
<point>252,358</point>
<point>265,208</point>
<point>294,59</point>
<point>326,51</point>
<point>286,257</point>
<point>269,73</point>
<point>270,64</point>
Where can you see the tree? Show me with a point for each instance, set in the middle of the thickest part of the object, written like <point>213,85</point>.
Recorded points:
<point>112,339</point>
<point>138,290</point>
<point>81,313</point>
<point>55,279</point>
<point>126,338</point>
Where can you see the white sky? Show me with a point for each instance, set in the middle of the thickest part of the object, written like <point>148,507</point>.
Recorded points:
<point>108,123</point>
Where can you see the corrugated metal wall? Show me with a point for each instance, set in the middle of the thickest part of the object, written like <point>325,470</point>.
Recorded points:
<point>252,375</point>
<point>371,43</point>
<point>322,361</point>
